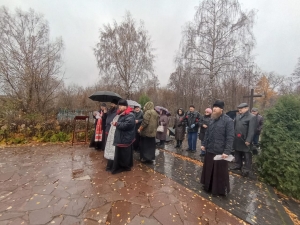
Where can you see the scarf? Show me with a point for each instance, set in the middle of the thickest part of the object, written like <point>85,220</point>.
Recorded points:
<point>99,131</point>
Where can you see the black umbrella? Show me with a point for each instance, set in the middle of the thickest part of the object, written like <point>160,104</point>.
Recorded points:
<point>105,96</point>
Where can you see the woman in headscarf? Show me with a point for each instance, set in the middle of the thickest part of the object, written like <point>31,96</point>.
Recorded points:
<point>179,127</point>
<point>163,121</point>
<point>204,125</point>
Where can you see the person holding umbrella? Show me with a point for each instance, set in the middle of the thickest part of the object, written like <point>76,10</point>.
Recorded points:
<point>109,151</point>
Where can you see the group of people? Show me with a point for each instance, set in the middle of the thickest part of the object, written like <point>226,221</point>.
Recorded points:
<point>225,136</point>
<point>125,129</point>
<point>122,129</point>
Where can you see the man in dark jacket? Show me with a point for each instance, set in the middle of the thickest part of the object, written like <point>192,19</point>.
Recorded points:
<point>191,120</point>
<point>124,138</point>
<point>138,113</point>
<point>245,125</point>
<point>259,125</point>
<point>218,140</point>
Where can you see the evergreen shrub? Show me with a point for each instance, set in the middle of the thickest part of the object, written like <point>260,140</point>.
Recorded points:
<point>279,161</point>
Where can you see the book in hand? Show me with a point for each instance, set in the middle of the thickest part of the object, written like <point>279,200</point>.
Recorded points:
<point>230,158</point>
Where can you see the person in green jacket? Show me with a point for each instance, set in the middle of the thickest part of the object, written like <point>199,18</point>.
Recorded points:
<point>147,131</point>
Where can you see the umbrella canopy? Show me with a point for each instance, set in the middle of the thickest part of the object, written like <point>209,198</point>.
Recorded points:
<point>133,103</point>
<point>158,108</point>
<point>105,96</point>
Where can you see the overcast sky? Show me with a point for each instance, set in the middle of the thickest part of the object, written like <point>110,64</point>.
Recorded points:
<point>277,30</point>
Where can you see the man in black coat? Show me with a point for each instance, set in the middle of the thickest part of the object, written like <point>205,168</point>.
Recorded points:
<point>245,125</point>
<point>138,113</point>
<point>124,138</point>
<point>218,140</point>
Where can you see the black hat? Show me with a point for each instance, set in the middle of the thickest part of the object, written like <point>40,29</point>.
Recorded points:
<point>123,102</point>
<point>103,104</point>
<point>242,105</point>
<point>219,103</point>
<point>115,101</point>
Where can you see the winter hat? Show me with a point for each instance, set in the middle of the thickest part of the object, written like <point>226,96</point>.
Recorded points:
<point>219,103</point>
<point>208,110</point>
<point>254,110</point>
<point>123,102</point>
<point>103,104</point>
<point>115,101</point>
<point>242,105</point>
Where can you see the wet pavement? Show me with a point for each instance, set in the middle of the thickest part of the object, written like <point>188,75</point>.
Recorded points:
<point>60,184</point>
<point>250,200</point>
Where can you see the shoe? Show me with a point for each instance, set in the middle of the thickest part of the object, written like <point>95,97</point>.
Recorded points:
<point>161,146</point>
<point>188,150</point>
<point>107,169</point>
<point>235,168</point>
<point>193,151</point>
<point>245,174</point>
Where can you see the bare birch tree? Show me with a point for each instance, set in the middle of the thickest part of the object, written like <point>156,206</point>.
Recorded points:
<point>30,64</point>
<point>219,39</point>
<point>124,55</point>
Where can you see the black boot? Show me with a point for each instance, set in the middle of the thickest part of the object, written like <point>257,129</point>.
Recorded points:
<point>161,144</point>
<point>177,145</point>
<point>180,144</point>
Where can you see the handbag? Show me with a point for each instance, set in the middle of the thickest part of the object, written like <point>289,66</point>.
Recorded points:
<point>160,128</point>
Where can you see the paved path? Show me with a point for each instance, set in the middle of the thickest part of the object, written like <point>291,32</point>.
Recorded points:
<point>250,200</point>
<point>56,184</point>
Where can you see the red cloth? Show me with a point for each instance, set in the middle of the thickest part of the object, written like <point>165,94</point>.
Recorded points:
<point>99,131</point>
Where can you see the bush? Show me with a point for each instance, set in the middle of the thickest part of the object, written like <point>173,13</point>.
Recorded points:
<point>279,162</point>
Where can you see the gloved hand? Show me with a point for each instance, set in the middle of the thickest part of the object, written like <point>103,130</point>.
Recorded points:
<point>193,125</point>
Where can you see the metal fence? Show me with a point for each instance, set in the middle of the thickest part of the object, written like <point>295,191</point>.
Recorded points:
<point>68,115</point>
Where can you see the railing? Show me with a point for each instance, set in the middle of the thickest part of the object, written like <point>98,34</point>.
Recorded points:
<point>69,115</point>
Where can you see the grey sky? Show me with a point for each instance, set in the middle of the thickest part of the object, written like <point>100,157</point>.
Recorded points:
<point>277,30</point>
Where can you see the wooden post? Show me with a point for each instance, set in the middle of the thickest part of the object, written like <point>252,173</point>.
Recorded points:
<point>252,96</point>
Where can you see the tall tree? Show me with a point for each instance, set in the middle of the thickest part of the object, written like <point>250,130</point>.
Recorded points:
<point>220,40</point>
<point>124,55</point>
<point>30,64</point>
<point>296,76</point>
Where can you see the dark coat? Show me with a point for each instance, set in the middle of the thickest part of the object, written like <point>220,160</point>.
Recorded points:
<point>125,129</point>
<point>179,127</point>
<point>164,121</point>
<point>150,121</point>
<point>109,118</point>
<point>138,116</point>
<point>259,123</point>
<point>245,127</point>
<point>192,118</point>
<point>219,136</point>
<point>205,120</point>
